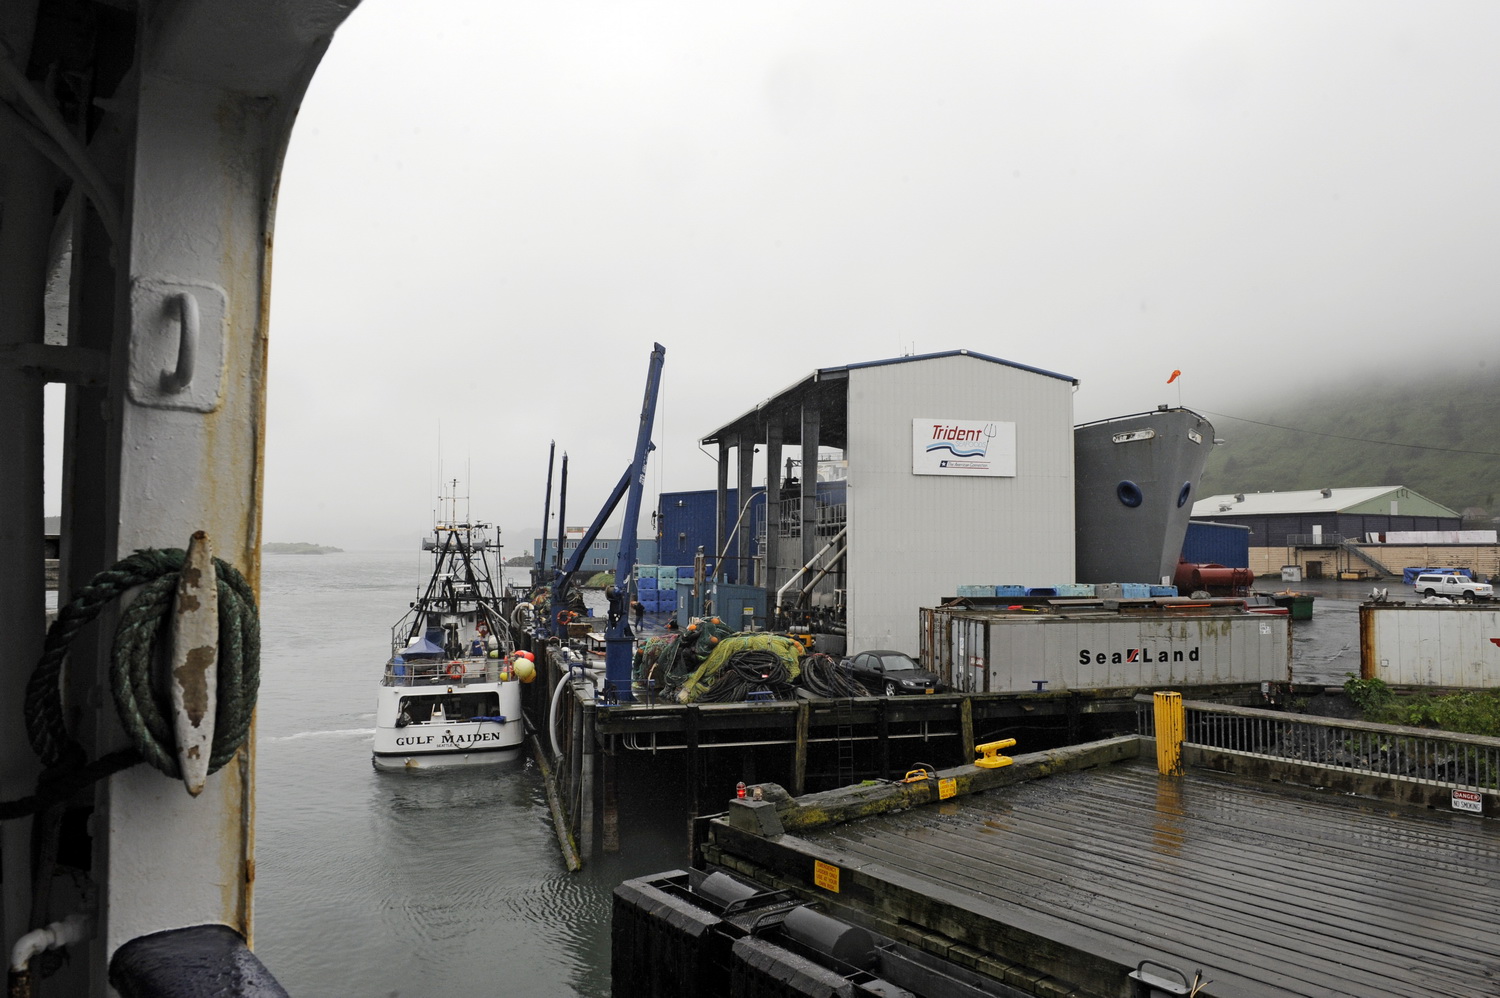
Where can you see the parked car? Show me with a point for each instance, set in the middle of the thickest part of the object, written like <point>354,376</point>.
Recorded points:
<point>891,673</point>
<point>1449,584</point>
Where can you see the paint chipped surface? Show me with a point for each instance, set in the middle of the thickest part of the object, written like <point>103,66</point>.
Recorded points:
<point>192,680</point>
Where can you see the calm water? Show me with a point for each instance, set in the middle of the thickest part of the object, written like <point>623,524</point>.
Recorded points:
<point>400,884</point>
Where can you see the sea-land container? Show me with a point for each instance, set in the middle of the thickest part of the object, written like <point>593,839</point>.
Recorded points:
<point>1430,645</point>
<point>993,652</point>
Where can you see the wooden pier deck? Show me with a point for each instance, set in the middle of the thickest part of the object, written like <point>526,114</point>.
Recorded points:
<point>1073,879</point>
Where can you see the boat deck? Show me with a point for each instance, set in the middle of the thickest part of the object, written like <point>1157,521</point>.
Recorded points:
<point>1269,889</point>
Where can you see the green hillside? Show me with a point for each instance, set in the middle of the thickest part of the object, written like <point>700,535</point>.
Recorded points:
<point>1436,436</point>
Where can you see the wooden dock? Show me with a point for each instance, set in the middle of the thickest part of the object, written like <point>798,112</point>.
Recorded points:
<point>1062,873</point>
<point>803,744</point>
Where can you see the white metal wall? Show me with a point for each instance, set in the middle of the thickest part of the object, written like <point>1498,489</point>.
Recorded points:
<point>1135,651</point>
<point>1432,645</point>
<point>915,538</point>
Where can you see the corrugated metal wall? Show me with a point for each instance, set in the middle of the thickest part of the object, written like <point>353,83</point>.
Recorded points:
<point>1224,544</point>
<point>915,538</point>
<point>987,654</point>
<point>1431,645</point>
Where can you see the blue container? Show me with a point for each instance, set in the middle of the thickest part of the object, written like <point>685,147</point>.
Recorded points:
<point>976,590</point>
<point>1010,590</point>
<point>1041,591</point>
<point>650,605</point>
<point>684,571</point>
<point>666,599</point>
<point>1163,590</point>
<point>644,584</point>
<point>1134,590</point>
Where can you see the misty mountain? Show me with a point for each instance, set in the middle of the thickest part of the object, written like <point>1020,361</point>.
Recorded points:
<point>1433,434</point>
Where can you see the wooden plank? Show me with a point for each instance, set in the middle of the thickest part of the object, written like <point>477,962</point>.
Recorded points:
<point>1271,892</point>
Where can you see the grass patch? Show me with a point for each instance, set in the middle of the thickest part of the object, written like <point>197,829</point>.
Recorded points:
<point>1471,713</point>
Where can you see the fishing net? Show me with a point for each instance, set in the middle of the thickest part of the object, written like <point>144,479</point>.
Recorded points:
<point>745,665</point>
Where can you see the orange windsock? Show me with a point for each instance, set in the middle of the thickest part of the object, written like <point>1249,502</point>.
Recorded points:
<point>1174,377</point>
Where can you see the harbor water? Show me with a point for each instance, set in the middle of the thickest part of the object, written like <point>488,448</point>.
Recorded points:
<point>411,885</point>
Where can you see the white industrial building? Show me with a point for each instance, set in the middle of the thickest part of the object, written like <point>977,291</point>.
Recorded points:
<point>950,468</point>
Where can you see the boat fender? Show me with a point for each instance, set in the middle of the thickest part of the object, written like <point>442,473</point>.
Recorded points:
<point>456,670</point>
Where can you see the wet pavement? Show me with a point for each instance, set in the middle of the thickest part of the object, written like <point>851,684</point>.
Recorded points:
<point>1325,649</point>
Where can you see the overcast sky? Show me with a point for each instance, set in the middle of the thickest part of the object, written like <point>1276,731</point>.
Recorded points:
<point>488,216</point>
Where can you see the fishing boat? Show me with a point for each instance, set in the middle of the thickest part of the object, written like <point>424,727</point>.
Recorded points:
<point>449,693</point>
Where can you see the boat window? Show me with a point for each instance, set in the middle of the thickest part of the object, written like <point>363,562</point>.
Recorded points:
<point>455,706</point>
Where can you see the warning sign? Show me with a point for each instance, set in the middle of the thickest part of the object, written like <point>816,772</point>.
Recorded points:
<point>826,876</point>
<point>947,788</point>
<point>1468,800</point>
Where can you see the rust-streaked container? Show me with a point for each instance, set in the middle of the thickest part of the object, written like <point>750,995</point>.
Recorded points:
<point>1150,643</point>
<point>1455,646</point>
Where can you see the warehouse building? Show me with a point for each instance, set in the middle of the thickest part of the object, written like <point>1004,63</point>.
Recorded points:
<point>930,471</point>
<point>1343,531</point>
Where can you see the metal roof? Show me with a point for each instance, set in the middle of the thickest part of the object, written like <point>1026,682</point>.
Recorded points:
<point>826,389</point>
<point>1306,501</point>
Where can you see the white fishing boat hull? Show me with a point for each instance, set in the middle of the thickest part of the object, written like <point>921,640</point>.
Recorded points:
<point>431,734</point>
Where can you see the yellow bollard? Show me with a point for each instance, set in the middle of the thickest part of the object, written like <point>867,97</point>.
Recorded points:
<point>1171,722</point>
<point>991,757</point>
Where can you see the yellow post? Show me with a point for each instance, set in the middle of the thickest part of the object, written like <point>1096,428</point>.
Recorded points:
<point>1171,721</point>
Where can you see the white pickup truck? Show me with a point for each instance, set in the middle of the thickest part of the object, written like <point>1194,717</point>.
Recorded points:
<point>1451,584</point>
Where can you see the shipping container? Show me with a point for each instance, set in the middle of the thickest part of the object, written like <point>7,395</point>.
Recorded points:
<point>1226,544</point>
<point>1454,646</point>
<point>998,651</point>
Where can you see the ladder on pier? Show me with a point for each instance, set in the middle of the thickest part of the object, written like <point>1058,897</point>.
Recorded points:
<point>843,720</point>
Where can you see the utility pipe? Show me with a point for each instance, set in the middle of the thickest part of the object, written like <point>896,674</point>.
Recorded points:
<point>810,562</point>
<point>719,562</point>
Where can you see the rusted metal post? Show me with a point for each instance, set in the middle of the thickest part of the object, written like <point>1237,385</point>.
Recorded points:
<point>1170,725</point>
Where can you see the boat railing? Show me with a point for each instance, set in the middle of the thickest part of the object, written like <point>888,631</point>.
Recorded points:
<point>443,672</point>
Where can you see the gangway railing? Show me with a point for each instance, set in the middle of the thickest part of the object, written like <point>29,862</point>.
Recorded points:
<point>1386,751</point>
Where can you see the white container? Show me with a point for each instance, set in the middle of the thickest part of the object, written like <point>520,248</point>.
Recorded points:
<point>981,652</point>
<point>1419,645</point>
<point>1291,573</point>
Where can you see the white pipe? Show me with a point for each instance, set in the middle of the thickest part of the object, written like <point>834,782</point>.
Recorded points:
<point>557,752</point>
<point>73,929</point>
<point>574,672</point>
<point>835,539</point>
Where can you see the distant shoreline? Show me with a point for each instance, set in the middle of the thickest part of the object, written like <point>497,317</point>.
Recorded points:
<point>299,548</point>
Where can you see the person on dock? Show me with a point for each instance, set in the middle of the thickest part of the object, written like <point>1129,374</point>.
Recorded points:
<point>639,610</point>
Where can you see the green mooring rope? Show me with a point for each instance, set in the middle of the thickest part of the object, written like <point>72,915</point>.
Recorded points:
<point>142,705</point>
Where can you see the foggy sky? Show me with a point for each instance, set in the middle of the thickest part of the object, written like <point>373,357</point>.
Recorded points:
<point>489,214</point>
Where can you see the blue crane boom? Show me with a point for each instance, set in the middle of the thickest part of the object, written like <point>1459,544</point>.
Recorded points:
<point>619,639</point>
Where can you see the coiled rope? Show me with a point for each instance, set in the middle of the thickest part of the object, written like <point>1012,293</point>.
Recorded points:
<point>140,700</point>
<point>822,675</point>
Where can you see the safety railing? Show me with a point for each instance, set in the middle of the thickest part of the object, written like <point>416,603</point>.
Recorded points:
<point>447,672</point>
<point>1314,540</point>
<point>1415,755</point>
